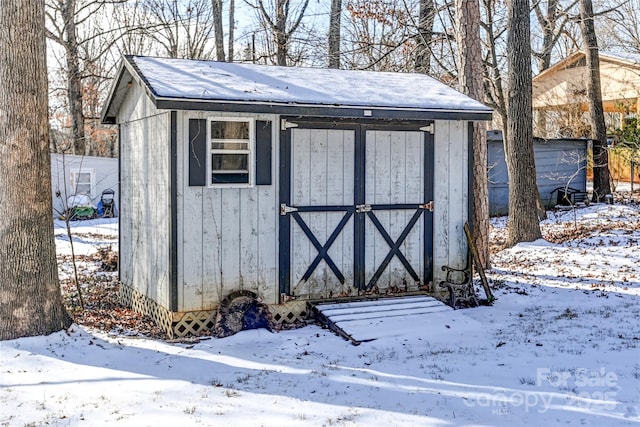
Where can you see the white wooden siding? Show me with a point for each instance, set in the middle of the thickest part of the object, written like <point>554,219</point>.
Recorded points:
<point>144,205</point>
<point>227,237</point>
<point>450,195</point>
<point>322,171</point>
<point>394,175</point>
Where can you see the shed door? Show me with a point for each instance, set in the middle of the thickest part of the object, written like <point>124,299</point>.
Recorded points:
<point>355,213</point>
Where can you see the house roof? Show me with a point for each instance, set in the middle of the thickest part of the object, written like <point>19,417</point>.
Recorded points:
<point>183,84</point>
<point>628,59</point>
<point>564,83</point>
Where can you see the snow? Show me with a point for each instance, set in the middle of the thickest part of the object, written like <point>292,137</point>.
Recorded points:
<point>238,82</point>
<point>89,235</point>
<point>560,346</point>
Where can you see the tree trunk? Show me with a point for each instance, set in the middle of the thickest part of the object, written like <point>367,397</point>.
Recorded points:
<point>218,32</point>
<point>425,30</point>
<point>547,23</point>
<point>601,178</point>
<point>74,78</point>
<point>524,225</point>
<point>470,78</point>
<point>334,33</point>
<point>495,94</point>
<point>278,26</point>
<point>30,300</point>
<point>232,24</point>
<point>280,32</point>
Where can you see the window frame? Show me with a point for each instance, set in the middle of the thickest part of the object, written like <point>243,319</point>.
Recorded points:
<point>250,151</point>
<point>74,174</point>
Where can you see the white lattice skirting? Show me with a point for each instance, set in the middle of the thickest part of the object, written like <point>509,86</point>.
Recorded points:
<point>195,322</point>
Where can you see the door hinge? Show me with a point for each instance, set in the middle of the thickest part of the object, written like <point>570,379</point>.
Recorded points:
<point>284,209</point>
<point>363,208</point>
<point>427,206</point>
<point>284,124</point>
<point>429,128</point>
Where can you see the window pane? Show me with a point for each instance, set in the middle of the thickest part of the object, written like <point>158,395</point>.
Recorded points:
<point>230,145</point>
<point>230,178</point>
<point>83,189</point>
<point>229,130</point>
<point>84,178</point>
<point>221,162</point>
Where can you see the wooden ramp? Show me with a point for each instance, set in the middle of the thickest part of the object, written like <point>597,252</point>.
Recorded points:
<point>367,320</point>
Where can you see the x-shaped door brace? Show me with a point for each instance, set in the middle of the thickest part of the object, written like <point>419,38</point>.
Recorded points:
<point>323,251</point>
<point>395,247</point>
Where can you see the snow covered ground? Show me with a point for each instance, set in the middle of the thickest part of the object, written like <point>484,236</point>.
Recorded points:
<point>561,346</point>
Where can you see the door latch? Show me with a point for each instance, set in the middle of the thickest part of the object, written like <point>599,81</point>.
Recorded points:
<point>363,208</point>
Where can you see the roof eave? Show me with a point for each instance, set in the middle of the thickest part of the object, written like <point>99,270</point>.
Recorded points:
<point>118,90</point>
<point>321,110</point>
<point>558,65</point>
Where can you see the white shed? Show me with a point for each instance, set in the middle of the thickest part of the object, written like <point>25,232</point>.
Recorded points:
<point>295,184</point>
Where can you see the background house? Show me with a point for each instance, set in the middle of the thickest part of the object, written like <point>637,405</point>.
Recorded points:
<point>291,183</point>
<point>560,93</point>
<point>81,175</point>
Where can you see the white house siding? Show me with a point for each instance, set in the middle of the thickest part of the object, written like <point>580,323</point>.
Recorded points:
<point>145,205</point>
<point>227,238</point>
<point>450,195</point>
<point>105,176</point>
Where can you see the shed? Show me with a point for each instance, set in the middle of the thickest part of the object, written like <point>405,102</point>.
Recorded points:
<point>73,175</point>
<point>559,163</point>
<point>295,184</point>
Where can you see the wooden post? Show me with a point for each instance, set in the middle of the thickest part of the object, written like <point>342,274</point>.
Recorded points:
<point>478,264</point>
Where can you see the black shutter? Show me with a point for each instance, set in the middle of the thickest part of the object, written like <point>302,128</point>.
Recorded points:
<point>263,152</point>
<point>197,152</point>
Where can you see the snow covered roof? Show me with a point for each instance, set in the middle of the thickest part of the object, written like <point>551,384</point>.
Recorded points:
<point>184,84</point>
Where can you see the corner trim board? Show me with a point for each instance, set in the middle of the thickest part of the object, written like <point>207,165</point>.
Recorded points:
<point>173,232</point>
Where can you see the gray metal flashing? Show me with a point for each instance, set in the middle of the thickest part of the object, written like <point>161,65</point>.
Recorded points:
<point>315,110</point>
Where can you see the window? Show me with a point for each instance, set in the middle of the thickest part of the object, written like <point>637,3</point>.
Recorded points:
<point>81,181</point>
<point>231,145</point>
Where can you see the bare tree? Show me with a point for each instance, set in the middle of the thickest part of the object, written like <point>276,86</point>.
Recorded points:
<point>524,225</point>
<point>379,35</point>
<point>621,28</point>
<point>281,21</point>
<point>470,77</point>
<point>334,33</point>
<point>86,32</point>
<point>63,18</point>
<point>426,19</point>
<point>494,26</point>
<point>552,22</point>
<point>30,300</point>
<point>218,32</point>
<point>232,25</point>
<point>601,178</point>
<point>180,29</point>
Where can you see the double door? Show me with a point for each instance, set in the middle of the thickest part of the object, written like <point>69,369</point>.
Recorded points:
<point>355,208</point>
